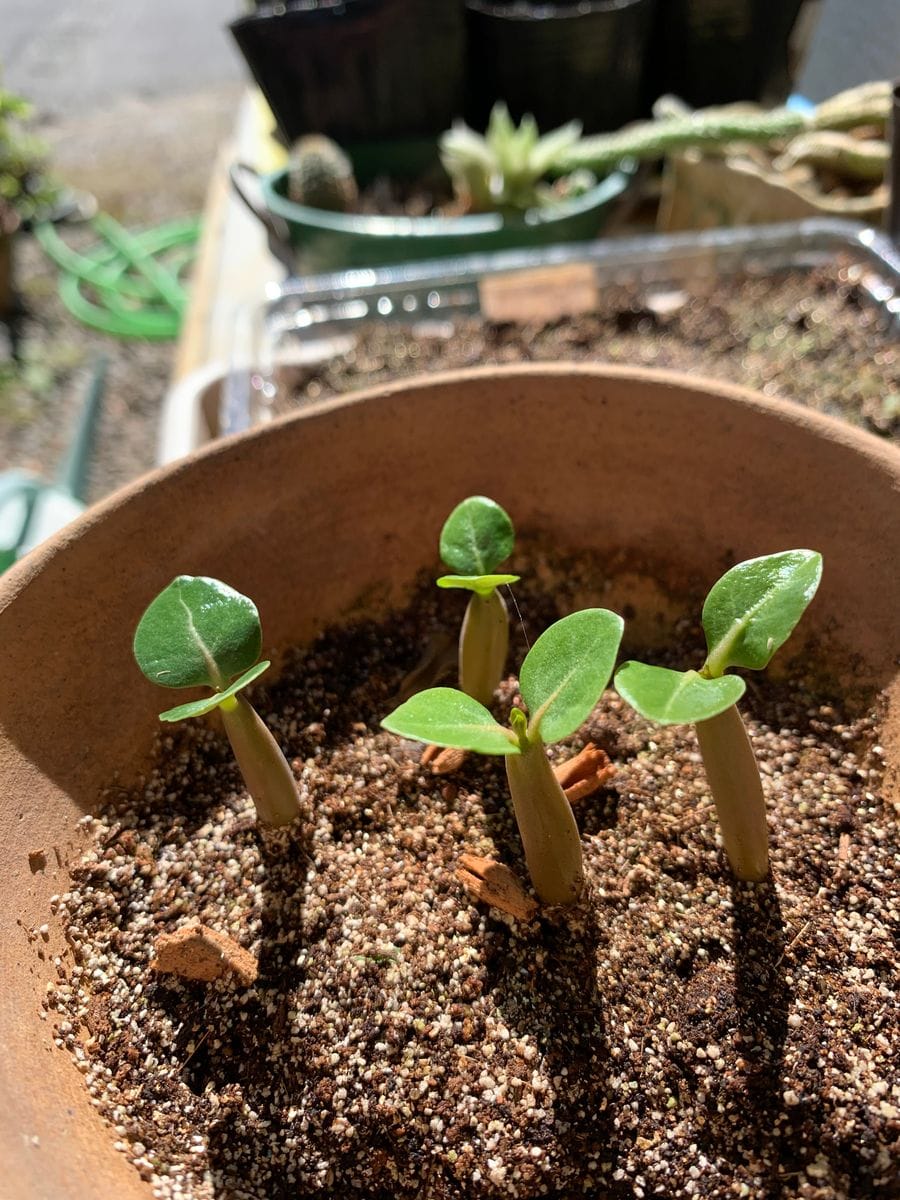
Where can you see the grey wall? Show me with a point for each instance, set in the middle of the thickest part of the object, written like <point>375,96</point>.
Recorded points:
<point>854,40</point>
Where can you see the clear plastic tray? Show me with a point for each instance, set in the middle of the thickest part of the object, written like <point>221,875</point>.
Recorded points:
<point>313,318</point>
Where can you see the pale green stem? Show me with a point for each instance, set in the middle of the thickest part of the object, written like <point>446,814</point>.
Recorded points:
<point>546,824</point>
<point>266,771</point>
<point>737,791</point>
<point>483,643</point>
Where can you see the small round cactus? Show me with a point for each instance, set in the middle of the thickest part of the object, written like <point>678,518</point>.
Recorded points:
<point>320,175</point>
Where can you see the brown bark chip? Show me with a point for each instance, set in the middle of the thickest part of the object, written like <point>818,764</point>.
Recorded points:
<point>449,760</point>
<point>584,774</point>
<point>196,952</point>
<point>492,883</point>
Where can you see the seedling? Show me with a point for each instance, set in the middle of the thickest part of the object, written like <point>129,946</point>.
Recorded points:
<point>199,632</point>
<point>561,680</point>
<point>747,616</point>
<point>477,536</point>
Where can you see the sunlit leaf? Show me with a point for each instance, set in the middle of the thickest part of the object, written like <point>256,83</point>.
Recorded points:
<point>197,708</point>
<point>446,717</point>
<point>754,607</point>
<point>567,668</point>
<point>482,584</point>
<point>676,697</point>
<point>197,631</point>
<point>477,536</point>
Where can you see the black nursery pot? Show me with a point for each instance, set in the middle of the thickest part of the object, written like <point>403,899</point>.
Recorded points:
<point>357,70</point>
<point>718,51</point>
<point>558,61</point>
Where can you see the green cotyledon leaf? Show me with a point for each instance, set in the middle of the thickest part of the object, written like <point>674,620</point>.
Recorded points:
<point>197,708</point>
<point>197,631</point>
<point>676,697</point>
<point>482,584</point>
<point>753,608</point>
<point>476,537</point>
<point>566,670</point>
<point>447,717</point>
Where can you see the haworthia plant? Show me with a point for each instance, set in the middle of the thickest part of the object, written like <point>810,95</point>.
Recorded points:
<point>199,632</point>
<point>505,168</point>
<point>561,680</point>
<point>747,616</point>
<point>476,538</point>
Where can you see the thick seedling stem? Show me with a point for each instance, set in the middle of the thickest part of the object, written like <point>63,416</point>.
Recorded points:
<point>266,772</point>
<point>483,644</point>
<point>737,791</point>
<point>546,824</point>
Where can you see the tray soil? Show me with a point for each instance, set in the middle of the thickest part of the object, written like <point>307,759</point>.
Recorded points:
<point>674,1034</point>
<point>813,337</point>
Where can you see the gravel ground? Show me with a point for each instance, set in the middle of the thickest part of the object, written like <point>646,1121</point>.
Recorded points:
<point>146,162</point>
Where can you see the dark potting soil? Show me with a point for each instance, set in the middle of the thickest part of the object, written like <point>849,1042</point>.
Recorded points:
<point>811,337</point>
<point>674,1034</point>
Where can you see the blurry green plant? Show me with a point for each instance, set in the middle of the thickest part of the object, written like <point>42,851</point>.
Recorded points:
<point>508,167</point>
<point>24,186</point>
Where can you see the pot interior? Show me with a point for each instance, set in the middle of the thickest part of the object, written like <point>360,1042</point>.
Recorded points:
<point>334,512</point>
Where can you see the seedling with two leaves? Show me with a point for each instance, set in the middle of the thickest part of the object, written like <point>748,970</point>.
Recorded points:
<point>561,680</point>
<point>199,632</point>
<point>747,616</point>
<point>476,538</point>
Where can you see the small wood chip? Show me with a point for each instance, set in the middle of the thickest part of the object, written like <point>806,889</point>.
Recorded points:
<point>584,774</point>
<point>843,858</point>
<point>37,860</point>
<point>490,882</point>
<point>429,754</point>
<point>449,759</point>
<point>197,952</point>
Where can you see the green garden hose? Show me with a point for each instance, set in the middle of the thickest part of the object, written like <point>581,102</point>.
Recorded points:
<point>134,279</point>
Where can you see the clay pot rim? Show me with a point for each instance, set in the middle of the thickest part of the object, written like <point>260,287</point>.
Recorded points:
<point>882,454</point>
<point>53,789</point>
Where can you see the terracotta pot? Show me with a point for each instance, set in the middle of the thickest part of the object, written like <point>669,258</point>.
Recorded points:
<point>335,510</point>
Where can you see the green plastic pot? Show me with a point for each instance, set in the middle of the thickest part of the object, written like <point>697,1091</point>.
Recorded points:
<point>319,241</point>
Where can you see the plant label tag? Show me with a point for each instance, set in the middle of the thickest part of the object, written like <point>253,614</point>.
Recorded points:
<point>539,293</point>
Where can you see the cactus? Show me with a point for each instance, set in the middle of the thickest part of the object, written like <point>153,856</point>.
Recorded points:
<point>867,104</point>
<point>714,127</point>
<point>320,175</point>
<point>850,157</point>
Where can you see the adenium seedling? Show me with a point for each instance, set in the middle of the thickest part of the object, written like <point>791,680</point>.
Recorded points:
<point>477,536</point>
<point>199,632</point>
<point>561,680</point>
<point>747,616</point>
